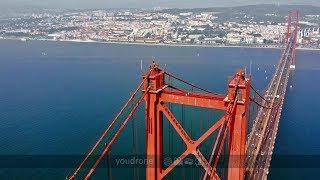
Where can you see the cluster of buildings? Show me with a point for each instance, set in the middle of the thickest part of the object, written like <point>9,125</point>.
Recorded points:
<point>309,36</point>
<point>139,26</point>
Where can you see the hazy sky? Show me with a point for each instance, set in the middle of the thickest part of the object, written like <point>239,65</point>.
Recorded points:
<point>146,3</point>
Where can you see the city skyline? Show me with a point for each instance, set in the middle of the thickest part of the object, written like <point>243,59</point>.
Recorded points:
<point>231,26</point>
<point>145,3</point>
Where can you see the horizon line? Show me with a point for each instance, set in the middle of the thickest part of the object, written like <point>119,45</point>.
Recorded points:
<point>149,8</point>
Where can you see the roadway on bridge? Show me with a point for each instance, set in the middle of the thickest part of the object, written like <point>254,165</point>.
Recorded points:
<point>262,137</point>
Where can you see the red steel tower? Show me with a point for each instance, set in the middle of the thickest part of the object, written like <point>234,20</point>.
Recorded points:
<point>233,124</point>
<point>293,22</point>
<point>156,93</point>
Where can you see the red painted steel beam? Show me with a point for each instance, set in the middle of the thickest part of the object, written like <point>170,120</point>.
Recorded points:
<point>192,146</point>
<point>195,99</point>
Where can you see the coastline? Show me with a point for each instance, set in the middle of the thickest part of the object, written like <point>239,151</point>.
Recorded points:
<point>162,44</point>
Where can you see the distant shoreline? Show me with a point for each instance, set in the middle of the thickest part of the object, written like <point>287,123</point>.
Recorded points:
<point>162,44</point>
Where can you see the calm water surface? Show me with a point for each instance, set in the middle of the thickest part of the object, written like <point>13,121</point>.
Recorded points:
<point>56,98</point>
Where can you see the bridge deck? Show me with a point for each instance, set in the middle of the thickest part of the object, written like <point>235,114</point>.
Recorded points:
<point>262,137</point>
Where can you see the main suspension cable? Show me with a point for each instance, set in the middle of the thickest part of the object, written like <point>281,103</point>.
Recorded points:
<point>258,93</point>
<point>259,104</point>
<point>190,84</point>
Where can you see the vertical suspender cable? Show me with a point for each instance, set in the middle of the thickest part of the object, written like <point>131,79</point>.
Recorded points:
<point>136,136</point>
<point>201,124</point>
<point>109,166</point>
<point>192,136</point>
<point>134,145</point>
<point>182,145</point>
<point>249,118</point>
<point>108,129</point>
<point>169,143</point>
<point>170,132</point>
<point>115,136</point>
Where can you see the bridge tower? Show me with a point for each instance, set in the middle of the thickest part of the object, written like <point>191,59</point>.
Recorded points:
<point>293,22</point>
<point>232,125</point>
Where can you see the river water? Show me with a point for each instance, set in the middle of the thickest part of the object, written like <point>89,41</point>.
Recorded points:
<point>56,98</point>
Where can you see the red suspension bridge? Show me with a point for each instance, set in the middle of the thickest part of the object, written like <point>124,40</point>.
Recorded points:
<point>247,155</point>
